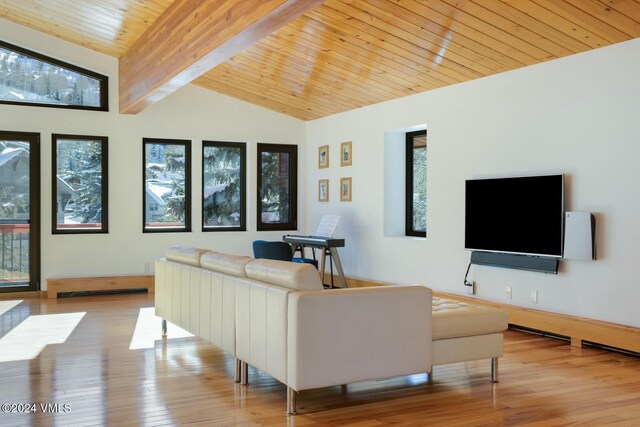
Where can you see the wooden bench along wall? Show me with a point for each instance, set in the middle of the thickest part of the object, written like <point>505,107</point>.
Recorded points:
<point>110,283</point>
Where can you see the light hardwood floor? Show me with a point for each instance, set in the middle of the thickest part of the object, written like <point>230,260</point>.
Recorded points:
<point>111,367</point>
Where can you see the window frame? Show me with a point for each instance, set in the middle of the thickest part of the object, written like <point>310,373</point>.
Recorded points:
<point>104,164</point>
<point>409,213</point>
<point>187,184</point>
<point>104,81</point>
<point>35,225</point>
<point>292,150</point>
<point>243,185</point>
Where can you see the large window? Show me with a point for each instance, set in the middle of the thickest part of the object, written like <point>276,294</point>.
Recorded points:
<point>167,185</point>
<point>19,211</point>
<point>416,186</point>
<point>29,78</point>
<point>277,187</point>
<point>223,186</point>
<point>80,184</point>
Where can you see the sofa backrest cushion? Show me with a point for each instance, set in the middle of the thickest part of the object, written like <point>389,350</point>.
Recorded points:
<point>291,275</point>
<point>233,265</point>
<point>185,254</point>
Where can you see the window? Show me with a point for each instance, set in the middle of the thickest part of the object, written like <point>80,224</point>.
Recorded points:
<point>416,184</point>
<point>277,187</point>
<point>223,186</point>
<point>80,184</point>
<point>19,211</point>
<point>29,78</point>
<point>166,196</point>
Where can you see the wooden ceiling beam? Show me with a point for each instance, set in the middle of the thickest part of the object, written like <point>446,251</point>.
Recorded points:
<point>190,38</point>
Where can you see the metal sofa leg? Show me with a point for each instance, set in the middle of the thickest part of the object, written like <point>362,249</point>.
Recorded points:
<point>238,370</point>
<point>244,373</point>
<point>494,369</point>
<point>164,328</point>
<point>291,401</point>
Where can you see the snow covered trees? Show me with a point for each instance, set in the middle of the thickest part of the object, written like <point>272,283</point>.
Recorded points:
<point>80,181</point>
<point>223,181</point>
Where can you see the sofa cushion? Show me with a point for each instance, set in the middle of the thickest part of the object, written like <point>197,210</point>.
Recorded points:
<point>453,319</point>
<point>185,254</point>
<point>233,265</point>
<point>291,275</point>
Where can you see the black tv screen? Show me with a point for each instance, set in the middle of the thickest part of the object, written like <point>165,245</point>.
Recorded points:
<point>522,215</point>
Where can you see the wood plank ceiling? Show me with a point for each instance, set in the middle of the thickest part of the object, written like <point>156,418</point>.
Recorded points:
<point>347,54</point>
<point>106,26</point>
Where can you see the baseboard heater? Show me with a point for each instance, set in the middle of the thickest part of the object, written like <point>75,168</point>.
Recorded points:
<point>97,292</point>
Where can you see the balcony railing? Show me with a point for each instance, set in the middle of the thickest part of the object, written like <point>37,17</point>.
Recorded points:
<point>14,252</point>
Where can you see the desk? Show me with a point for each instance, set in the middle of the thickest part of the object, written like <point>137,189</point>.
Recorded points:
<point>328,246</point>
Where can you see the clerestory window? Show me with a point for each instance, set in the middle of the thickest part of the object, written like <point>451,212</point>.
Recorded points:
<point>30,78</point>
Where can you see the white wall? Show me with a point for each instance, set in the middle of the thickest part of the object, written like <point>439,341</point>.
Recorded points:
<point>579,116</point>
<point>190,113</point>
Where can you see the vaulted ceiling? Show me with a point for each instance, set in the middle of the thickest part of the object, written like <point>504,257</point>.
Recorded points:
<point>346,54</point>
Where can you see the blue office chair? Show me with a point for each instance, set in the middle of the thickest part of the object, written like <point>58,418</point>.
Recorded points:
<point>278,250</point>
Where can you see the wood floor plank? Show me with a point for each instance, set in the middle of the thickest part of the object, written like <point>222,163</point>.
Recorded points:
<point>186,381</point>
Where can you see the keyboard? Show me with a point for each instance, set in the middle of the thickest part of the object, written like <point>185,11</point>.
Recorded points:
<point>314,241</point>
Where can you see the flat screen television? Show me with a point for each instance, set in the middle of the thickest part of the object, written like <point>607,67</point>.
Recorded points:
<point>520,215</point>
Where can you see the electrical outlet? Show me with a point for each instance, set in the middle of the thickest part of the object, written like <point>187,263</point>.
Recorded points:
<point>507,292</point>
<point>534,297</point>
<point>471,289</point>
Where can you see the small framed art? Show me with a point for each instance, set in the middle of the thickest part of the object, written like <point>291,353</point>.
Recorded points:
<point>346,154</point>
<point>345,189</point>
<point>323,156</point>
<point>323,190</point>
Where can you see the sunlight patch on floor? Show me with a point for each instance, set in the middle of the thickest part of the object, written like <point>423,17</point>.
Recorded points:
<point>27,340</point>
<point>8,305</point>
<point>149,329</point>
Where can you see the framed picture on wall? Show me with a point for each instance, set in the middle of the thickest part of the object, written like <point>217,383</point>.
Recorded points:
<point>346,154</point>
<point>323,156</point>
<point>323,190</point>
<point>345,189</point>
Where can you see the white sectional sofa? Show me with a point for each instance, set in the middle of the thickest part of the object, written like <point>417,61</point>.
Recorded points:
<point>275,316</point>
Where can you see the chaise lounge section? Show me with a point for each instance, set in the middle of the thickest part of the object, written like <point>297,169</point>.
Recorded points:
<point>274,316</point>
